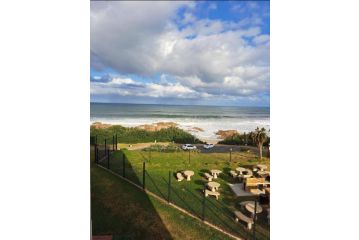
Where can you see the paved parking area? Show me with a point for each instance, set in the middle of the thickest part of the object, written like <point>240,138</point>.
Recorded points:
<point>221,148</point>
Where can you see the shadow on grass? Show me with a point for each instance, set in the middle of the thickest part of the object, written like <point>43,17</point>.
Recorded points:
<point>119,209</point>
<point>216,212</point>
<point>200,182</point>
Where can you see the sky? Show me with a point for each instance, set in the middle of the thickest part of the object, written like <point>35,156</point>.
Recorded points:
<point>186,53</point>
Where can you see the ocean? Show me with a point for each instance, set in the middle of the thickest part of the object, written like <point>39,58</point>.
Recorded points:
<point>209,118</point>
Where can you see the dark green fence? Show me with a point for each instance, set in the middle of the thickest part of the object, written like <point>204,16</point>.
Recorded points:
<point>191,200</point>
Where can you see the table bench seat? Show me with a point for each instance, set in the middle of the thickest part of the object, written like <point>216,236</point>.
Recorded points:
<point>240,216</point>
<point>208,176</point>
<point>179,176</point>
<point>207,192</point>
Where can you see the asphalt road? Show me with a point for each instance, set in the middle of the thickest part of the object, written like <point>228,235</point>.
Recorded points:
<point>221,148</point>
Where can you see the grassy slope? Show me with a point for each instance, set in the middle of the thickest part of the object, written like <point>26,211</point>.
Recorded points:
<point>189,195</point>
<point>120,209</point>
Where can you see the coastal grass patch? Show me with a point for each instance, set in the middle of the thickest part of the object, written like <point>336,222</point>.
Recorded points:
<point>189,194</point>
<point>136,135</point>
<point>121,210</point>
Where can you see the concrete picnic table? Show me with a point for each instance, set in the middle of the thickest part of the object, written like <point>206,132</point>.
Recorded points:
<point>188,174</point>
<point>250,207</point>
<point>262,167</point>
<point>213,186</point>
<point>241,169</point>
<point>248,174</point>
<point>215,172</point>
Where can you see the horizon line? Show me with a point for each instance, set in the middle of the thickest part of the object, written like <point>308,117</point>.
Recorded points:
<point>180,104</point>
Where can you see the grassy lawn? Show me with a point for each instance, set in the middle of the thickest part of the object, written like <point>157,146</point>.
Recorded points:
<point>120,209</point>
<point>188,195</point>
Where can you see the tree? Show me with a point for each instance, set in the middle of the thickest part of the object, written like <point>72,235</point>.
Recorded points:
<point>259,136</point>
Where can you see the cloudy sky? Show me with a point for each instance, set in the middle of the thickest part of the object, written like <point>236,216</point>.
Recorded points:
<point>199,53</point>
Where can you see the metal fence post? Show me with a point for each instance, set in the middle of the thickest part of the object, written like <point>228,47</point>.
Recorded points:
<point>123,164</point>
<point>105,145</point>
<point>189,156</point>
<point>204,203</point>
<point>254,219</point>
<point>169,186</point>
<point>113,143</point>
<point>96,155</point>
<point>108,158</point>
<point>116,142</point>
<point>144,176</point>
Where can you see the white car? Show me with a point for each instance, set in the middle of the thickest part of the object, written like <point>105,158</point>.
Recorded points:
<point>208,146</point>
<point>188,147</point>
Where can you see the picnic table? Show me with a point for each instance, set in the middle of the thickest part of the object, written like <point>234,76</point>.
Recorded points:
<point>262,167</point>
<point>188,174</point>
<point>250,207</point>
<point>215,172</point>
<point>241,169</point>
<point>213,186</point>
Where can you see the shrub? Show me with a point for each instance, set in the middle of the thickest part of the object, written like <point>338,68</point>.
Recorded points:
<point>242,139</point>
<point>135,135</point>
<point>161,148</point>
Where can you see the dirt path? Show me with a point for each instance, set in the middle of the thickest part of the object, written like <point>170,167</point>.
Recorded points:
<point>138,146</point>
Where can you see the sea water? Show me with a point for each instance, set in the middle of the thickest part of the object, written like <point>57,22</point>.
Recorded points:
<point>209,118</point>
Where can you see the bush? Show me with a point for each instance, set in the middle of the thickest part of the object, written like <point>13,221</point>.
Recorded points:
<point>242,139</point>
<point>161,148</point>
<point>134,135</point>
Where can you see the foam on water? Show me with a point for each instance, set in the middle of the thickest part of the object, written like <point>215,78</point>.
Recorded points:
<point>209,126</point>
<point>209,118</point>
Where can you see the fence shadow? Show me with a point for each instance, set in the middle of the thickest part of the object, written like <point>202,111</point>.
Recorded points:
<point>118,210</point>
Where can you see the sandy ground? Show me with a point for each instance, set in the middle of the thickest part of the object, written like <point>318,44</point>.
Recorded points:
<point>137,146</point>
<point>212,141</point>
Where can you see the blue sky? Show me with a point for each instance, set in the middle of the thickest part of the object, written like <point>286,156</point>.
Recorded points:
<point>202,53</point>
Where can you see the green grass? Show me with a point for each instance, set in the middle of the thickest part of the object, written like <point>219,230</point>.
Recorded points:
<point>122,210</point>
<point>188,195</point>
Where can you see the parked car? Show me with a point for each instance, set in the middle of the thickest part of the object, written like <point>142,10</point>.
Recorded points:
<point>208,146</point>
<point>188,147</point>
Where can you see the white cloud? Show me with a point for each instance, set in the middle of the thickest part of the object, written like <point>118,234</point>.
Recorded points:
<point>261,39</point>
<point>207,58</point>
<point>212,6</point>
<point>188,18</point>
<point>120,81</point>
<point>236,7</point>
<point>126,86</point>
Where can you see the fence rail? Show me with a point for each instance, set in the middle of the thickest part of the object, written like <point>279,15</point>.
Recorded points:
<point>213,213</point>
